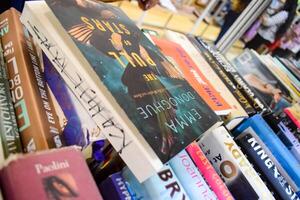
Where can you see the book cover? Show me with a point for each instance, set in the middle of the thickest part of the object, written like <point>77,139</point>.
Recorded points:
<point>234,76</point>
<point>232,86</point>
<point>162,186</point>
<point>262,81</point>
<point>208,172</point>
<point>185,65</point>
<point>264,165</point>
<point>38,124</point>
<point>290,166</point>
<point>121,79</point>
<point>80,129</point>
<point>114,188</point>
<point>53,174</point>
<point>232,166</point>
<point>190,177</point>
<point>10,139</point>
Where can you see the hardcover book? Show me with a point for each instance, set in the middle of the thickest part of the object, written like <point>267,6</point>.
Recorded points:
<point>264,165</point>
<point>162,186</point>
<point>38,124</point>
<point>226,68</point>
<point>9,134</point>
<point>262,81</point>
<point>233,167</point>
<point>285,161</point>
<point>121,79</point>
<point>208,172</point>
<point>48,175</point>
<point>237,110</point>
<point>185,65</point>
<point>114,188</point>
<point>190,178</point>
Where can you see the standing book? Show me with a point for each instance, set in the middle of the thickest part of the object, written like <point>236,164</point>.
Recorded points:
<point>38,124</point>
<point>48,175</point>
<point>9,139</point>
<point>121,79</point>
<point>232,165</point>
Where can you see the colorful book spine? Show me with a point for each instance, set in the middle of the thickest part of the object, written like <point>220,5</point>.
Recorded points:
<point>114,188</point>
<point>232,86</point>
<point>294,115</point>
<point>9,138</point>
<point>233,167</point>
<point>161,186</point>
<point>38,124</point>
<point>282,156</point>
<point>231,73</point>
<point>266,167</point>
<point>80,129</point>
<point>208,172</point>
<point>190,177</point>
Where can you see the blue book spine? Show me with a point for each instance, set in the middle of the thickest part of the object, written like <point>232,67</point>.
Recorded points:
<point>256,125</point>
<point>190,177</point>
<point>266,167</point>
<point>114,188</point>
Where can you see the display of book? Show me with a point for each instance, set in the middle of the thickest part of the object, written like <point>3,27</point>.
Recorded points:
<point>159,116</point>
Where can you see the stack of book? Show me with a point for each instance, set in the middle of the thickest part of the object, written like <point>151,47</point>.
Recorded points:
<point>93,108</point>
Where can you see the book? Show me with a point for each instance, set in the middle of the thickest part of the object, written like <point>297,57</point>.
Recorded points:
<point>208,172</point>
<point>285,161</point>
<point>227,68</point>
<point>161,186</point>
<point>264,165</point>
<point>232,86</point>
<point>80,129</point>
<point>237,111</point>
<point>293,113</point>
<point>10,139</point>
<point>269,89</point>
<point>233,167</point>
<point>38,124</point>
<point>53,174</point>
<point>291,67</point>
<point>190,178</point>
<point>114,188</point>
<point>121,81</point>
<point>185,65</point>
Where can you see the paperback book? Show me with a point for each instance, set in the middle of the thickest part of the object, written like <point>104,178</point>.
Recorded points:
<point>120,78</point>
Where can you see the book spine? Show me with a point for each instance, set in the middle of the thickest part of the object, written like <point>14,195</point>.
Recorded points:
<point>232,165</point>
<point>10,139</point>
<point>292,117</point>
<point>231,73</point>
<point>265,165</point>
<point>232,86</point>
<point>38,125</point>
<point>282,156</point>
<point>190,178</point>
<point>114,188</point>
<point>208,172</point>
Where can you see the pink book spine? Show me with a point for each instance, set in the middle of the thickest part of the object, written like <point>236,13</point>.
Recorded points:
<point>208,172</point>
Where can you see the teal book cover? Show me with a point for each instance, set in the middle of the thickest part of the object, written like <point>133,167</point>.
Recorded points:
<point>160,103</point>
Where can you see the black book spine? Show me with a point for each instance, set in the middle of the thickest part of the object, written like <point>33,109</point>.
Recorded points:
<point>10,139</point>
<point>266,167</point>
<point>235,77</point>
<point>237,93</point>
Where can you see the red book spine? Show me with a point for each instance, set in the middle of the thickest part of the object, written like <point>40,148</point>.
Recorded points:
<point>208,172</point>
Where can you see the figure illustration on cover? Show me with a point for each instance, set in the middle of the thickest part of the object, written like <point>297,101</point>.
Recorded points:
<point>145,84</point>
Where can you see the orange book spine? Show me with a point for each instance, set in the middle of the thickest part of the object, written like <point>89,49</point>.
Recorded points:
<point>38,124</point>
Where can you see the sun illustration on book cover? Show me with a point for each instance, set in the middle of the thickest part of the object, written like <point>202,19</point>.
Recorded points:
<point>152,92</point>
